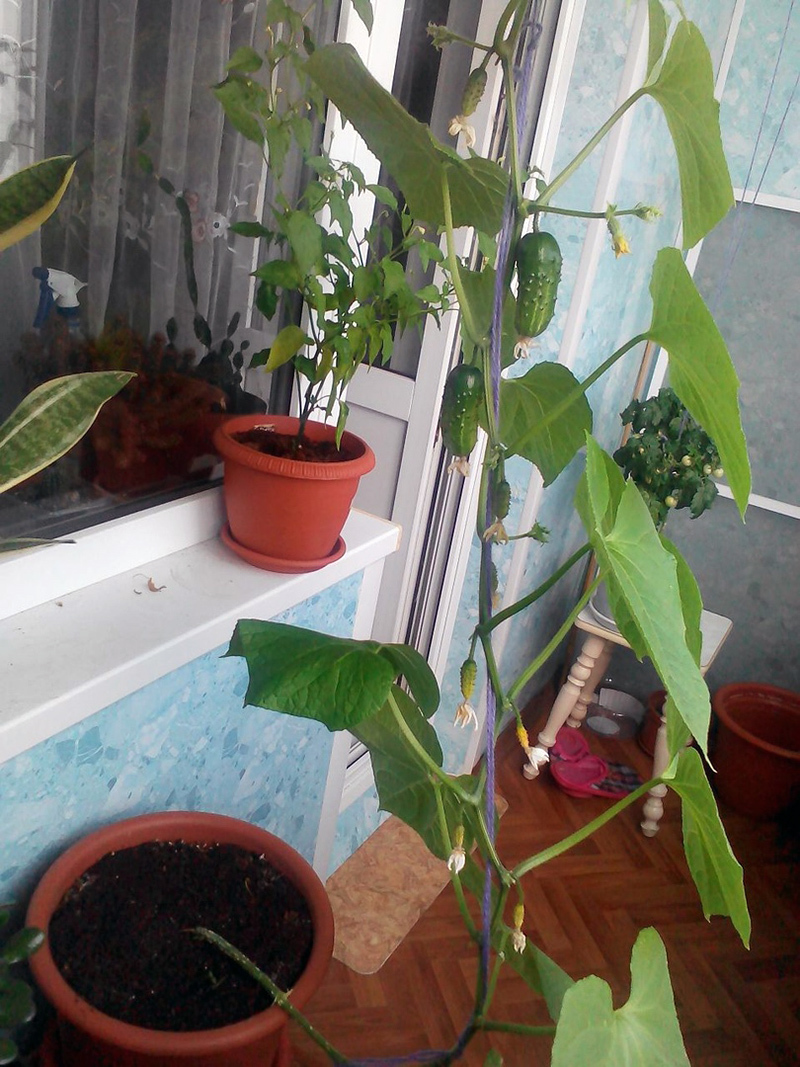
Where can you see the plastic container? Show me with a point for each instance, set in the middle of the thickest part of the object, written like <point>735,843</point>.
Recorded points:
<point>616,714</point>
<point>757,750</point>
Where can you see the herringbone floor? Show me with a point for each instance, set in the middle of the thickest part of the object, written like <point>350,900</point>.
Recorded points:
<point>737,1008</point>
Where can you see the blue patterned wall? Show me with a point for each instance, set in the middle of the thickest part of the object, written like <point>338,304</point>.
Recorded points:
<point>182,742</point>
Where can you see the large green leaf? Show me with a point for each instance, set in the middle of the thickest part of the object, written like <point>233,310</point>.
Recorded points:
<point>657,27</point>
<point>50,420</point>
<point>335,680</point>
<point>544,417</point>
<point>642,1033</point>
<point>692,603</point>
<point>402,777</point>
<point>408,150</point>
<point>685,90</point>
<point>645,574</point>
<point>716,872</point>
<point>700,367</point>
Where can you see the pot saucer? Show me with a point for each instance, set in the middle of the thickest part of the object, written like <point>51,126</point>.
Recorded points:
<point>273,563</point>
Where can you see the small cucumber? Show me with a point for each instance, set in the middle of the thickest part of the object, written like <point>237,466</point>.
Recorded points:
<point>473,91</point>
<point>461,404</point>
<point>467,676</point>
<point>538,272</point>
<point>501,492</point>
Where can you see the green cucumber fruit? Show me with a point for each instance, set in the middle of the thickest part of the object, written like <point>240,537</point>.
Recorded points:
<point>538,273</point>
<point>461,405</point>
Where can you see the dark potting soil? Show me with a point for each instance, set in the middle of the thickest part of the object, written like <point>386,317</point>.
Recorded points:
<point>286,446</point>
<point>122,936</point>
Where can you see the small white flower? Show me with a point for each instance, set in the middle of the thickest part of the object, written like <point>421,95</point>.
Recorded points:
<point>538,756</point>
<point>518,940</point>
<point>465,714</point>
<point>459,124</point>
<point>496,532</point>
<point>218,224</point>
<point>460,465</point>
<point>458,858</point>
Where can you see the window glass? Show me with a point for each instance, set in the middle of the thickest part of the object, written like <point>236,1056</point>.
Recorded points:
<point>138,269</point>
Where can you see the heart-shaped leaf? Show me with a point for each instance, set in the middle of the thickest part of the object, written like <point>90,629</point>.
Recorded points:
<point>641,1033</point>
<point>544,417</point>
<point>685,90</point>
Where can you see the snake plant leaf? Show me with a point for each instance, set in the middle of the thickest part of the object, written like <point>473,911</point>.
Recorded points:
<point>544,417</point>
<point>700,368</point>
<point>334,680</point>
<point>645,574</point>
<point>29,197</point>
<point>685,90</point>
<point>50,420</point>
<point>644,1031</point>
<point>417,161</point>
<point>715,870</point>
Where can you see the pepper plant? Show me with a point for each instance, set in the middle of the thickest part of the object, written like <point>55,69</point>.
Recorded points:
<point>543,416</point>
<point>351,283</point>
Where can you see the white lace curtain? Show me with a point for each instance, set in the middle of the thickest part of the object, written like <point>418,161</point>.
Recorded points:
<point>99,75</point>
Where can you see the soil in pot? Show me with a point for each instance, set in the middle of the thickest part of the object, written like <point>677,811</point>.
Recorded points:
<point>288,446</point>
<point>122,934</point>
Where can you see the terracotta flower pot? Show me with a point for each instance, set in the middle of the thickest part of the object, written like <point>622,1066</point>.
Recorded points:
<point>757,749</point>
<point>87,1036</point>
<point>287,514</point>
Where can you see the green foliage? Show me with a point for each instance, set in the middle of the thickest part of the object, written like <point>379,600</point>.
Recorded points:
<point>29,197</point>
<point>16,998</point>
<point>353,284</point>
<point>544,417</point>
<point>50,420</point>
<point>669,457</point>
<point>684,88</point>
<point>716,873</point>
<point>700,367</point>
<point>642,1033</point>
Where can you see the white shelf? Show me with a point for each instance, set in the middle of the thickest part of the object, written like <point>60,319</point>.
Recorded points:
<point>72,656</point>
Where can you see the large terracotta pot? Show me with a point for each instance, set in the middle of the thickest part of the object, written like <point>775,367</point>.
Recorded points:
<point>285,514</point>
<point>90,1038</point>
<point>757,749</point>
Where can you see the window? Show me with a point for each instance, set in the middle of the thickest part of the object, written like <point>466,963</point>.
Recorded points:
<point>138,269</point>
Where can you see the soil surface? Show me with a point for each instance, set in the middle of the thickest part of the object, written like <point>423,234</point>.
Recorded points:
<point>122,936</point>
<point>287,446</point>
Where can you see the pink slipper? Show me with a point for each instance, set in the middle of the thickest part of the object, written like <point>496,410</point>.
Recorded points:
<point>570,745</point>
<point>594,777</point>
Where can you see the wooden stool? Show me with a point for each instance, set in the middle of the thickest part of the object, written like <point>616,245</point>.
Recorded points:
<point>579,690</point>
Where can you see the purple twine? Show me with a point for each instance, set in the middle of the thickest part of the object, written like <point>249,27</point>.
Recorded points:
<point>503,250</point>
<point>495,344</point>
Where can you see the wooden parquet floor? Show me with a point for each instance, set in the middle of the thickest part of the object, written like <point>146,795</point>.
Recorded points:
<point>737,1008</point>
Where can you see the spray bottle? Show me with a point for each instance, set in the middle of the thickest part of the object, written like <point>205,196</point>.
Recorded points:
<point>59,288</point>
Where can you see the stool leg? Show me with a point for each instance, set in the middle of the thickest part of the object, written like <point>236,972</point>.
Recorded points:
<point>593,655</point>
<point>654,805</point>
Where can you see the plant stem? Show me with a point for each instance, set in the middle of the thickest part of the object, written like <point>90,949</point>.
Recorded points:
<point>281,998</point>
<point>452,258</point>
<point>526,675</point>
<point>514,1028</point>
<point>454,877</point>
<point>531,207</point>
<point>586,151</point>
<point>560,847</point>
<point>532,597</point>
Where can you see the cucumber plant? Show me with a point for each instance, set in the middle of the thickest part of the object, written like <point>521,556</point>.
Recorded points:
<point>540,415</point>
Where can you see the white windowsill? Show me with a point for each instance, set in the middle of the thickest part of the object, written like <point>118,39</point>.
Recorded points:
<point>70,657</point>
